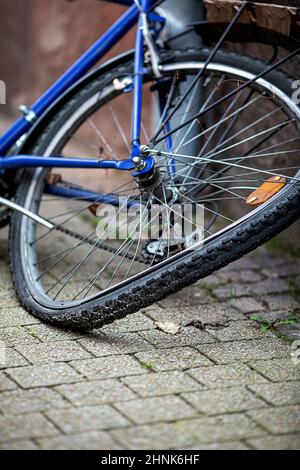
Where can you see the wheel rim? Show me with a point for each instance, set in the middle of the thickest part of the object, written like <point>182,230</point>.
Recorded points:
<point>29,256</point>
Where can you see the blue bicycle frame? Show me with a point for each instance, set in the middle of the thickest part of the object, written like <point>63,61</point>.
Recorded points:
<point>30,115</point>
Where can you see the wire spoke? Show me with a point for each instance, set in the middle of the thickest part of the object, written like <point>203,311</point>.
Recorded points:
<point>230,94</point>
<point>102,138</point>
<point>222,162</point>
<point>248,139</point>
<point>119,127</point>
<point>227,137</point>
<point>208,61</point>
<point>244,130</point>
<point>222,121</point>
<point>209,98</point>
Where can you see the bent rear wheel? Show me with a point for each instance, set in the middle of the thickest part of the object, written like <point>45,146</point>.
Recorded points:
<point>79,275</point>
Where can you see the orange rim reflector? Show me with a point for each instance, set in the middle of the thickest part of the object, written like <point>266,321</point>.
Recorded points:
<point>267,190</point>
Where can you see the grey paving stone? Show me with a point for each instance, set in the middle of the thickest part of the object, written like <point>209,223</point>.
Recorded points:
<point>3,249</point>
<point>161,383</point>
<point>270,260</point>
<point>292,332</point>
<point>279,302</point>
<point>209,282</point>
<point>270,286</point>
<point>25,427</point>
<point>14,335</point>
<point>53,352</point>
<point>4,270</point>
<point>215,314</point>
<point>145,396</point>
<point>172,359</point>
<point>223,401</point>
<point>250,276</point>
<point>280,421</point>
<point>270,273</point>
<point>247,305</point>
<point>287,442</point>
<point>227,427</point>
<point>226,276</point>
<point>279,394</point>
<point>277,370</point>
<point>48,333</point>
<point>223,376</point>
<point>187,297</point>
<point>13,359</point>
<point>244,351</point>
<point>114,343</point>
<point>93,440</point>
<point>19,445</point>
<point>6,281</point>
<point>8,298</point>
<point>188,336</point>
<point>158,436</point>
<point>15,316</point>
<point>289,269</point>
<point>244,263</point>
<point>239,330</point>
<point>132,323</point>
<point>6,383</point>
<point>156,409</point>
<point>44,375</point>
<point>272,316</point>
<point>88,418</point>
<point>231,290</point>
<point>30,401</point>
<point>96,393</point>
<point>234,445</point>
<point>189,433</point>
<point>109,367</point>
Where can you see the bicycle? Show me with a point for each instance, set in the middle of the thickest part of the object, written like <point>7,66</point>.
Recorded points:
<point>208,128</point>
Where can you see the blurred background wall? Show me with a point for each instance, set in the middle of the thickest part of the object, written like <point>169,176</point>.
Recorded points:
<point>39,39</point>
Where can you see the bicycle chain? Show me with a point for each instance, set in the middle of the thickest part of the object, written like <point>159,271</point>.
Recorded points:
<point>98,245</point>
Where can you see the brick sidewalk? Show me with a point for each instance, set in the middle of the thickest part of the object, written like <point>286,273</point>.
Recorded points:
<point>221,383</point>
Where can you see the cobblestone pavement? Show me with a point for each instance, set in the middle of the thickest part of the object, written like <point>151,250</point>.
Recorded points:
<point>223,382</point>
